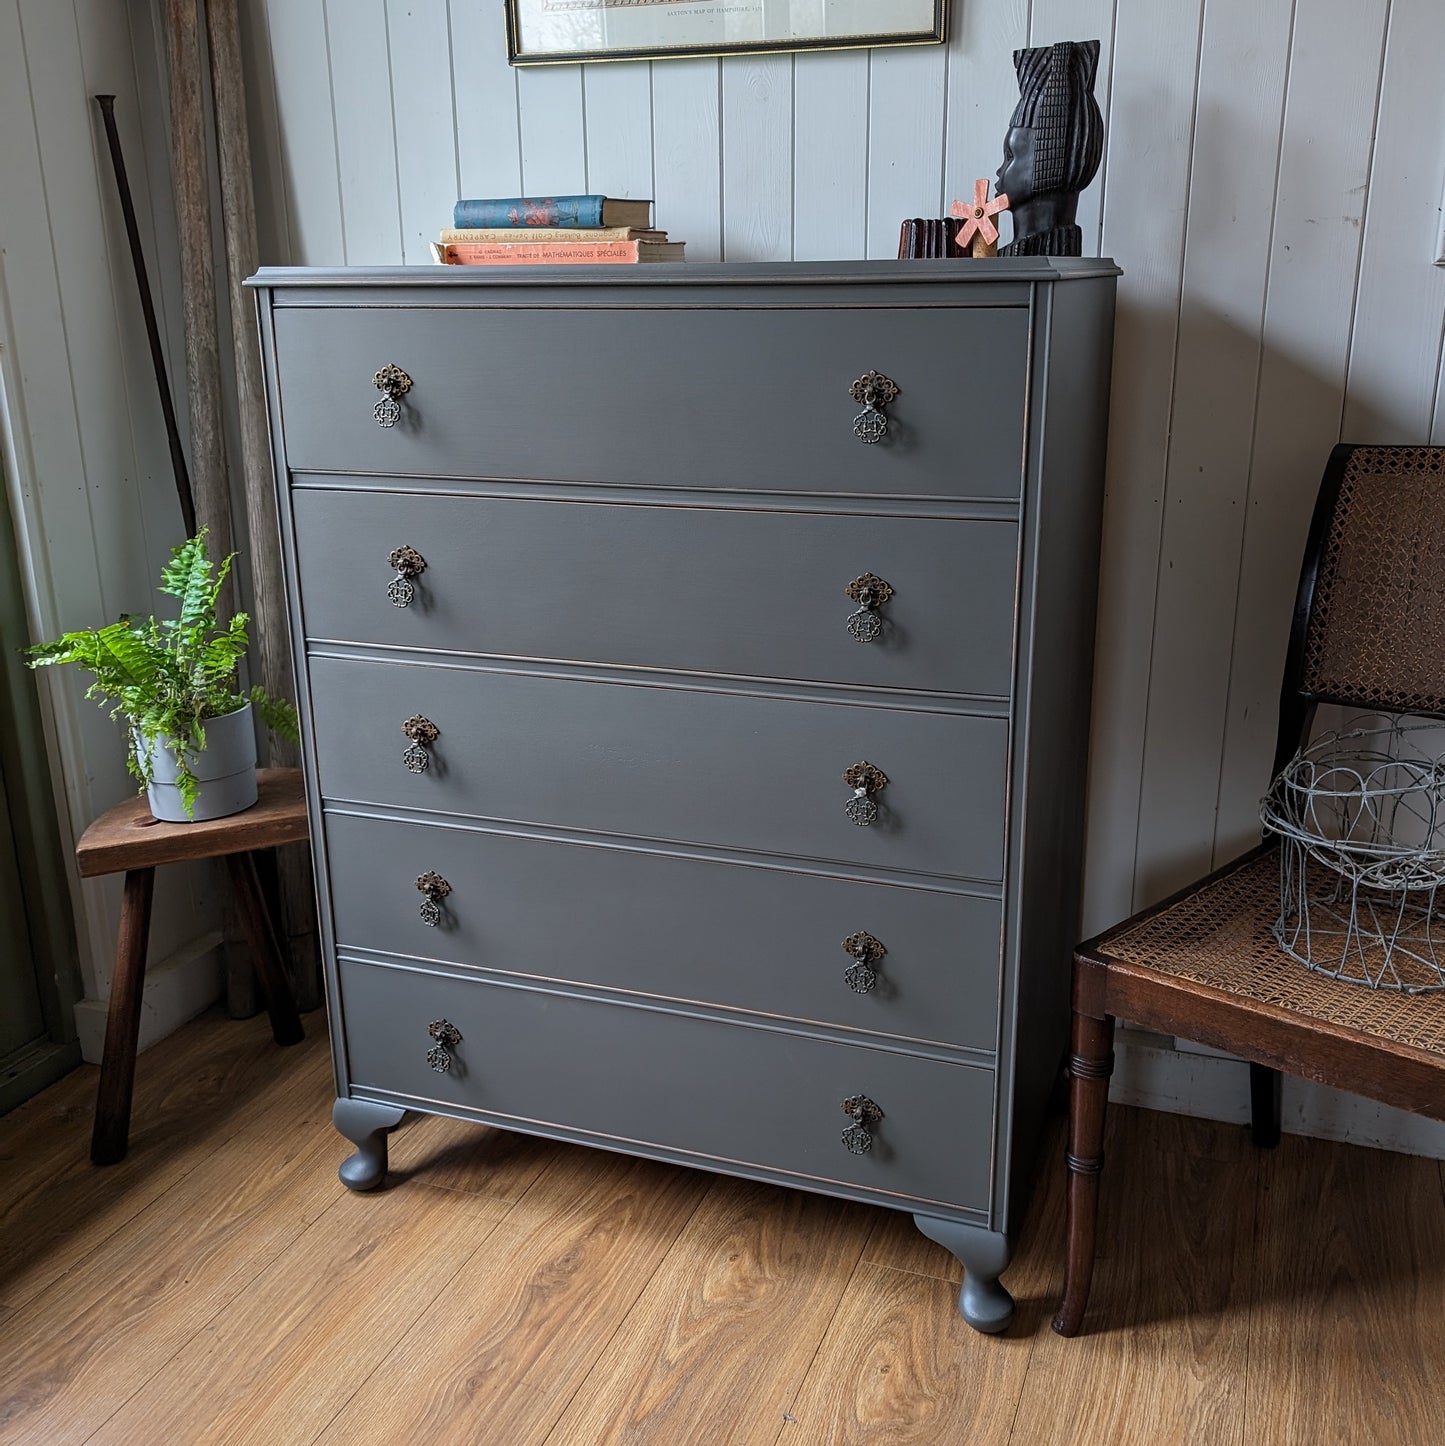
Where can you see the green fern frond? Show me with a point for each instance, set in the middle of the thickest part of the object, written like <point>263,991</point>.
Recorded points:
<point>176,575</point>
<point>82,648</point>
<point>220,657</point>
<point>164,678</point>
<point>277,714</point>
<point>129,652</point>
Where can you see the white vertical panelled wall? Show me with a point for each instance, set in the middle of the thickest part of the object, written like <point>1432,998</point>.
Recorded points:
<point>1271,187</point>
<point>86,463</point>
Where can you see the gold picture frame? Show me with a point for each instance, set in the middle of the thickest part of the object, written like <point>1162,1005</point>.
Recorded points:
<point>564,32</point>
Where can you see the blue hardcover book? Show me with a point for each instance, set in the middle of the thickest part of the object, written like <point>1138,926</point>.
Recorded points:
<point>552,211</point>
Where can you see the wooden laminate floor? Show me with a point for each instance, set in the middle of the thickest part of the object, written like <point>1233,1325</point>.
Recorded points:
<point>221,1285</point>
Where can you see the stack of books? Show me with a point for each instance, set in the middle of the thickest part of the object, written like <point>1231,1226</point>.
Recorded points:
<point>553,230</point>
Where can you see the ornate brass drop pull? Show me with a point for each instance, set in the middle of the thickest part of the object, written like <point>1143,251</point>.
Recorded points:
<point>873,391</point>
<point>864,1113</point>
<point>447,1037</point>
<point>864,779</point>
<point>870,593</point>
<point>423,733</point>
<point>860,976</point>
<point>436,889</point>
<point>392,383</point>
<point>409,564</point>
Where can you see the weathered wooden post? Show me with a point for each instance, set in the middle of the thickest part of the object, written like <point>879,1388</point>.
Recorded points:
<point>269,632</point>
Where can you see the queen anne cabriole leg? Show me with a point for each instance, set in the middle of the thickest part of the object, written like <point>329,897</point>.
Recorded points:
<point>365,1125</point>
<point>982,1301</point>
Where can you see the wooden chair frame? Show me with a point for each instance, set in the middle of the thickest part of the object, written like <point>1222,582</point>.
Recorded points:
<point>1272,1037</point>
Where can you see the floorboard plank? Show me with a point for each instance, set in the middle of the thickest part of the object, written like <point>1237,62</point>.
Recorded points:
<point>899,1365</point>
<point>501,1354</point>
<point>192,1090</point>
<point>720,1341</point>
<point>1164,1350</point>
<point>1350,1298</point>
<point>278,1362</point>
<point>76,1352</point>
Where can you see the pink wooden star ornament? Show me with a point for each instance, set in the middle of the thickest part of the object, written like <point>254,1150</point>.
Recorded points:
<point>978,230</point>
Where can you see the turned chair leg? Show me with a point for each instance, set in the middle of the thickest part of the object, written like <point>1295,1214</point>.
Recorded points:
<point>1264,1105</point>
<point>1090,1065</point>
<point>111,1131</point>
<point>265,950</point>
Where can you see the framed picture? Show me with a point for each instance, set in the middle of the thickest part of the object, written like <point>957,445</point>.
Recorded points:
<point>543,32</point>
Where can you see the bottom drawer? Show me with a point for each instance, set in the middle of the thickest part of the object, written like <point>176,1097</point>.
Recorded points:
<point>732,1095</point>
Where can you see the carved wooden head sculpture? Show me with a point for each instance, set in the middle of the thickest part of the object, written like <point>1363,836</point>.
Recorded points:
<point>1053,148</point>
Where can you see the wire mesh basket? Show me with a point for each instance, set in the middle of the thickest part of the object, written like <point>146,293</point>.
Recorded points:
<point>1361,817</point>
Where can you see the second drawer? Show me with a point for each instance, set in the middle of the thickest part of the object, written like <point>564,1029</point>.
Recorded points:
<point>693,589</point>
<point>765,940</point>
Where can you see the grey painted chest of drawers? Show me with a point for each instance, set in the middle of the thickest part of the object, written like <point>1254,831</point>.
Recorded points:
<point>586,643</point>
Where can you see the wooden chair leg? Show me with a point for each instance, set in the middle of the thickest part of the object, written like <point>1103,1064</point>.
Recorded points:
<point>110,1134</point>
<point>1090,1065</point>
<point>1264,1105</point>
<point>265,951</point>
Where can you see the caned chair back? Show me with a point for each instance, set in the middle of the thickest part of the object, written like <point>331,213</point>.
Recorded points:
<point>1376,634</point>
<point>1369,624</point>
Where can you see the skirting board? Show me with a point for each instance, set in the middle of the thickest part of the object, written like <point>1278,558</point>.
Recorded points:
<point>1189,1080</point>
<point>177,988</point>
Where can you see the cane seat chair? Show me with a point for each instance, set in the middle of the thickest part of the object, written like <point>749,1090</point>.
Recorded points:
<point>1369,633</point>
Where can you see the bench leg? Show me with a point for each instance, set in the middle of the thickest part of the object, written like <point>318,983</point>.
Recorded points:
<point>265,951</point>
<point>111,1131</point>
<point>1091,1064</point>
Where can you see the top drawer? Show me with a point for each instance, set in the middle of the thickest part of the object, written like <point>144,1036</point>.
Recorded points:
<point>739,400</point>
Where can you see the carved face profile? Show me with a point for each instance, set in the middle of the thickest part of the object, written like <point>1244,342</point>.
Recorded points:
<point>1016,175</point>
<point>1053,148</point>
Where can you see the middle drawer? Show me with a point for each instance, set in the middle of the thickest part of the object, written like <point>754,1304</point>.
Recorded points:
<point>713,590</point>
<point>770,941</point>
<point>758,772</point>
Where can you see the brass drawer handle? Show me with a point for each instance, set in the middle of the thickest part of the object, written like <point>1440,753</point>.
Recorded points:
<point>873,391</point>
<point>864,779</point>
<point>436,889</point>
<point>409,564</point>
<point>864,1113</point>
<point>423,733</point>
<point>860,976</point>
<point>392,383</point>
<point>447,1037</point>
<point>870,593</point>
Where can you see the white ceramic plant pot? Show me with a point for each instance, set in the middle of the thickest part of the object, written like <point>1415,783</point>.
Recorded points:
<point>226,768</point>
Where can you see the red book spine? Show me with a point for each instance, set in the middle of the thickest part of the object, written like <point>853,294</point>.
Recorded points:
<point>539,253</point>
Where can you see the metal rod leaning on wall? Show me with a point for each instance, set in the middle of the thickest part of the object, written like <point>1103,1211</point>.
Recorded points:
<point>148,310</point>
<point>270,637</point>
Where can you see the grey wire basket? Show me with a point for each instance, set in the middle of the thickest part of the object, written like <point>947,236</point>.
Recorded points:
<point>1360,815</point>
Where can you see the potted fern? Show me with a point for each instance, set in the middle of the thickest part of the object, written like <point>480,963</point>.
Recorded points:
<point>191,739</point>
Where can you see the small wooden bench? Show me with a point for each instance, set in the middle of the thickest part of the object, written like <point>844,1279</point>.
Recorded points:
<point>128,838</point>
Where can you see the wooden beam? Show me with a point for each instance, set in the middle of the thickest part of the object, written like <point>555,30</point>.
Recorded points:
<point>270,640</point>
<point>210,482</point>
<point>189,180</point>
